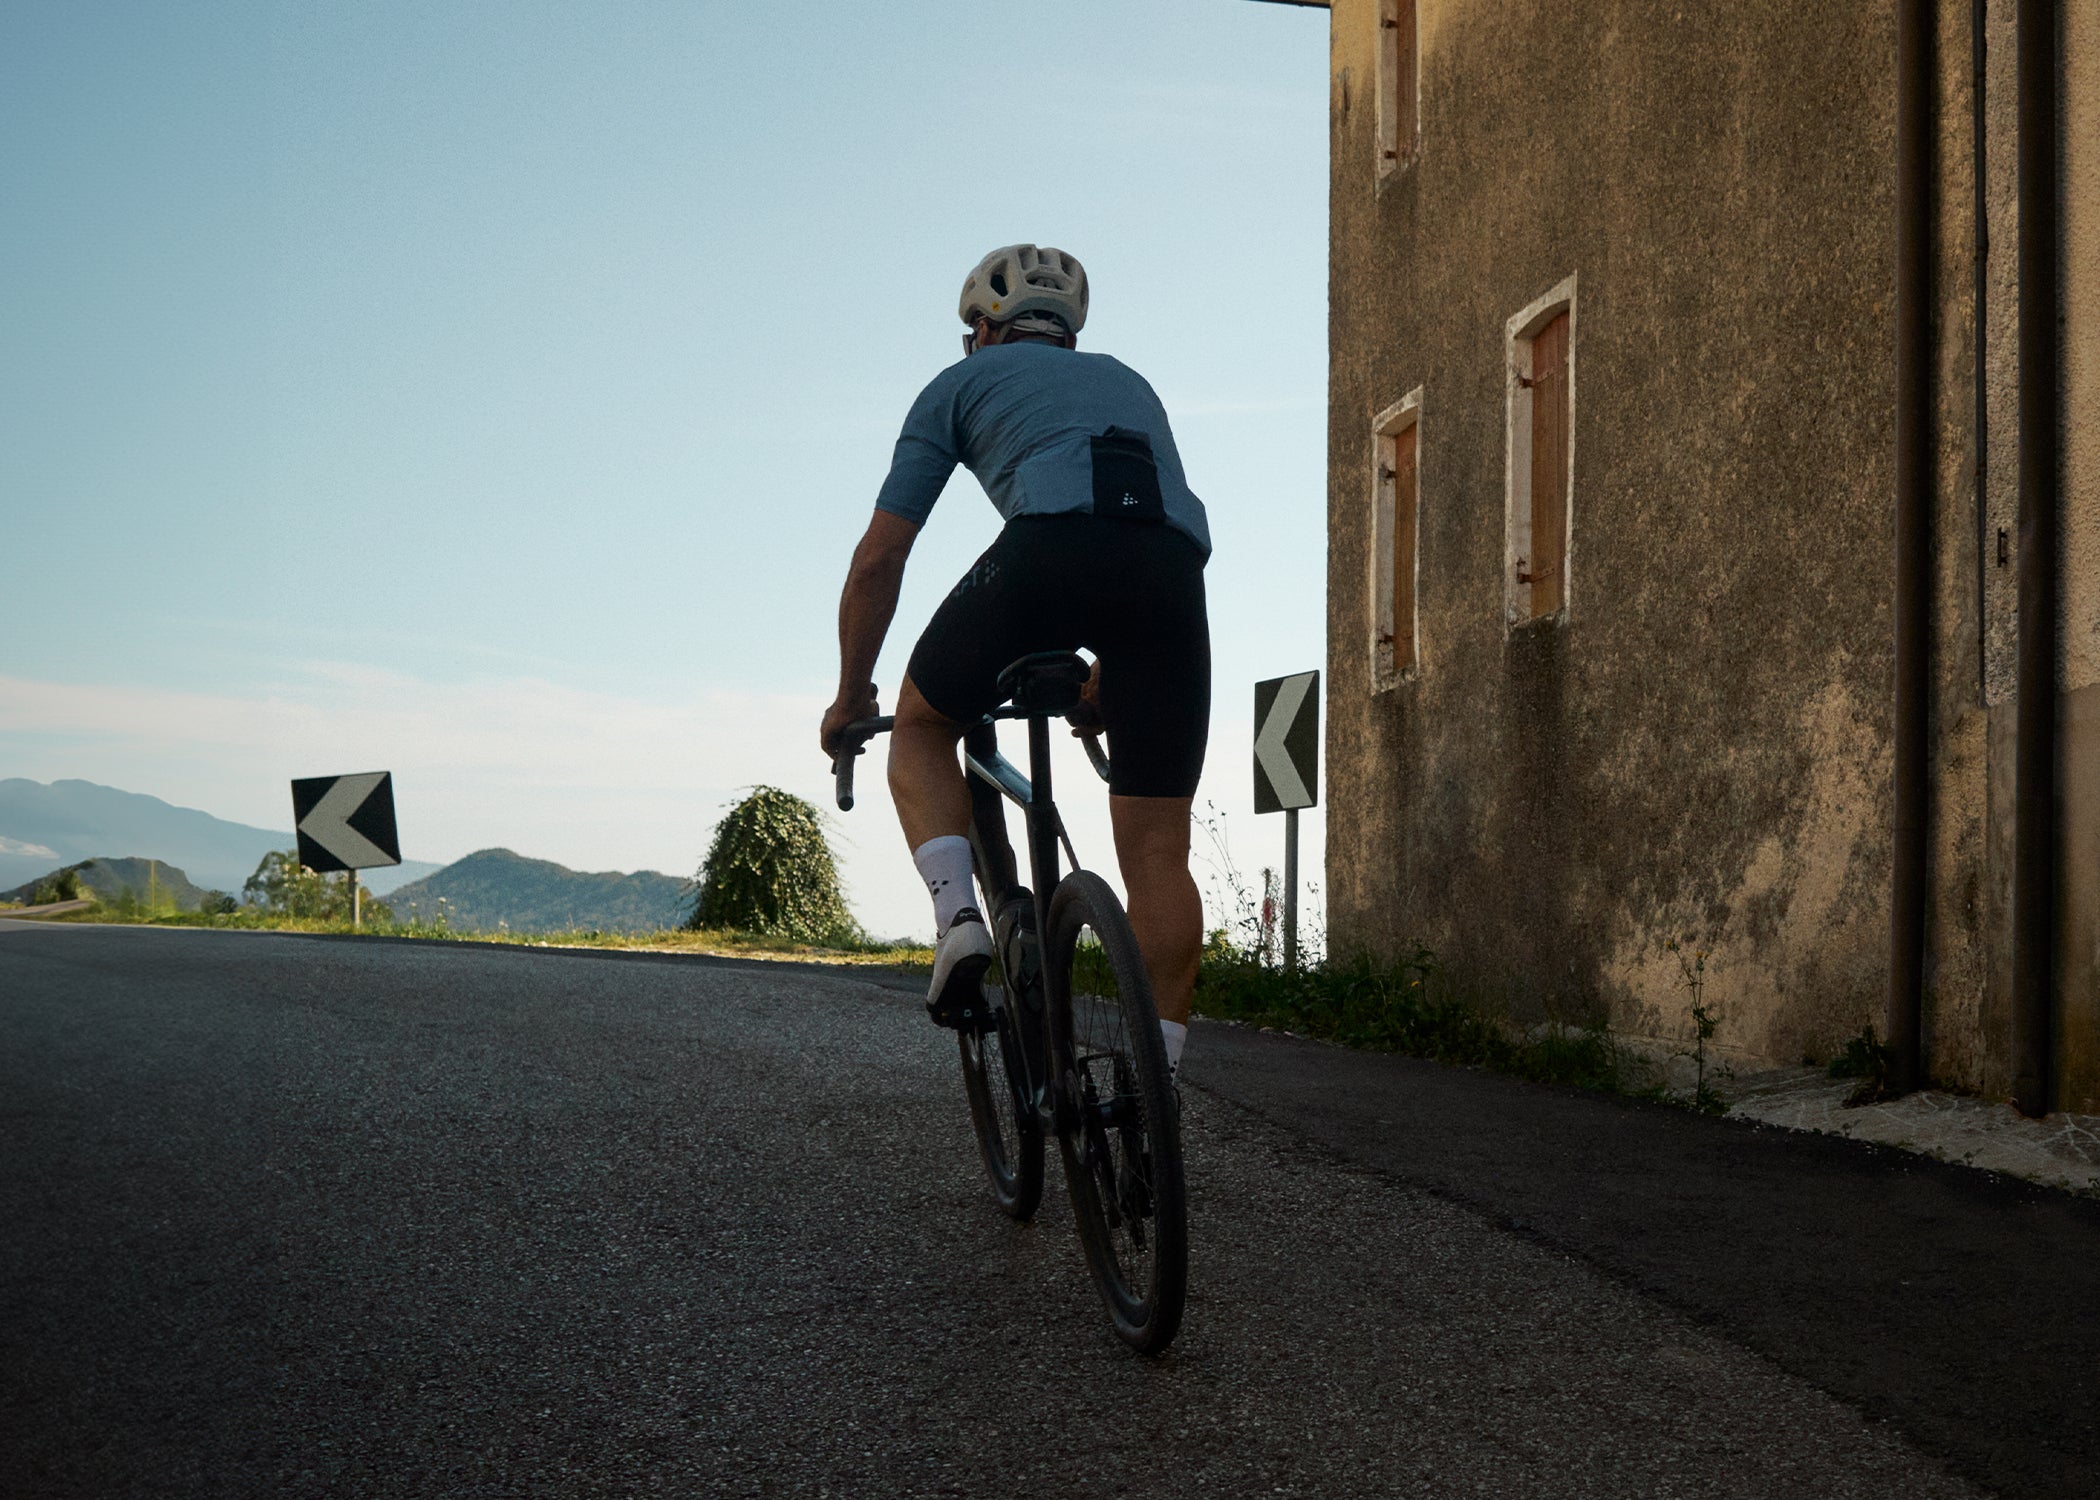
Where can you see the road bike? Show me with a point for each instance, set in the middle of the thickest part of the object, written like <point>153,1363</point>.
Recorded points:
<point>1067,1041</point>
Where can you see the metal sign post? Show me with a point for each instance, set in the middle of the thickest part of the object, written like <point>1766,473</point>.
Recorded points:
<point>347,823</point>
<point>1290,887</point>
<point>1287,774</point>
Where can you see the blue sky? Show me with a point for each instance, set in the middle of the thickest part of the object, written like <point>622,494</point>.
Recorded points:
<point>494,393</point>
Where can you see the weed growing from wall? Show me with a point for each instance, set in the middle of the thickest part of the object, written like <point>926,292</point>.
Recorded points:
<point>1867,1058</point>
<point>1706,1021</point>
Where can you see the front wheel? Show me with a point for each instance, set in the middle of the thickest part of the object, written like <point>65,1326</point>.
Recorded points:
<point>1009,1136</point>
<point>1118,1121</point>
<point>1002,1099</point>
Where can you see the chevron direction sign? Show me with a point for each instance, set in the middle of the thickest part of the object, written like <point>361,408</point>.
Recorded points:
<point>346,822</point>
<point>1287,742</point>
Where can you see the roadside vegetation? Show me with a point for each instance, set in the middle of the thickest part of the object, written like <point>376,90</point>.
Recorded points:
<point>379,922</point>
<point>769,889</point>
<point>1407,1005</point>
<point>1412,1004</point>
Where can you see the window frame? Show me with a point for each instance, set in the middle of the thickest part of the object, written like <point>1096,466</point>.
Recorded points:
<point>1388,670</point>
<point>1518,335</point>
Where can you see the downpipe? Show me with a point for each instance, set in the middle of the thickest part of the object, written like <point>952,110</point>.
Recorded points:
<point>2035,817</point>
<point>1909,850</point>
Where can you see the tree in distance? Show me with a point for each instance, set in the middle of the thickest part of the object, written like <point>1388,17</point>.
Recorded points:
<point>770,871</point>
<point>281,884</point>
<point>63,886</point>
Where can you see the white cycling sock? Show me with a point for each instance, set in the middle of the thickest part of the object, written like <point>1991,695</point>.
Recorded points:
<point>1173,1033</point>
<point>944,864</point>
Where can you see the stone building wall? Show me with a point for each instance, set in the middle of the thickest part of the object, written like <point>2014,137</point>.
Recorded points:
<point>1698,747</point>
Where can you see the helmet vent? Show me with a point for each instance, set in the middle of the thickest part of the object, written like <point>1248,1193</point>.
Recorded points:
<point>999,283</point>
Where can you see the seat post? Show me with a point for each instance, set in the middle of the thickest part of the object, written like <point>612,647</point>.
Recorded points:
<point>1042,814</point>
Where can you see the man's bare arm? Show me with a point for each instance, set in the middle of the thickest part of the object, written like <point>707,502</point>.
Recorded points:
<point>866,606</point>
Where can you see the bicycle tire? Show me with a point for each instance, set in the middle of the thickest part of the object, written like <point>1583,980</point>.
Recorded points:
<point>1118,1122</point>
<point>1002,1111</point>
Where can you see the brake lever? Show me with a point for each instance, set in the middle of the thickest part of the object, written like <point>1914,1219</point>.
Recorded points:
<point>1094,753</point>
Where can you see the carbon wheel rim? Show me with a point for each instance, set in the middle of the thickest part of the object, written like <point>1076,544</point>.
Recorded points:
<point>1118,1134</point>
<point>995,1081</point>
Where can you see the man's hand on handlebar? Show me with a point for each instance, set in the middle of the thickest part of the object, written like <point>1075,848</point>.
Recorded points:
<point>845,709</point>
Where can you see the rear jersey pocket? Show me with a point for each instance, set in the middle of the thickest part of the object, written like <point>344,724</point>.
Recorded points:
<point>1126,477</point>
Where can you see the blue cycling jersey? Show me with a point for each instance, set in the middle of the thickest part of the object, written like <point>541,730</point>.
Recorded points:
<point>1029,419</point>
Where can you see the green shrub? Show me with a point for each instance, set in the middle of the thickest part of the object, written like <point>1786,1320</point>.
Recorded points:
<point>62,886</point>
<point>770,871</point>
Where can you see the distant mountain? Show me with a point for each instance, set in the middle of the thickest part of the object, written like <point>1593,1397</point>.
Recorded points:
<point>150,880</point>
<point>388,878</point>
<point>495,887</point>
<point>69,821</point>
<point>43,827</point>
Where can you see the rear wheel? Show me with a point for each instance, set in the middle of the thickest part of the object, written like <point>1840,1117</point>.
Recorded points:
<point>1118,1123</point>
<point>1002,1111</point>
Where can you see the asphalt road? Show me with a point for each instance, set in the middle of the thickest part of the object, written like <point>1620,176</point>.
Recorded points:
<point>295,1216</point>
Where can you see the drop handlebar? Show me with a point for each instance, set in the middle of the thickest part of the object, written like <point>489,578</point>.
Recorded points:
<point>853,739</point>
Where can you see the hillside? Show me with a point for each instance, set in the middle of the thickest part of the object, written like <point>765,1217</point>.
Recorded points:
<point>43,827</point>
<point>495,887</point>
<point>150,880</point>
<point>46,826</point>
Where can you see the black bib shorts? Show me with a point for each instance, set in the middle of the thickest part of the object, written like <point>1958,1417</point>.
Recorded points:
<point>1128,591</point>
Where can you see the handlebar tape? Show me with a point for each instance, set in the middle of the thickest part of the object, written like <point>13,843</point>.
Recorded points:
<point>842,768</point>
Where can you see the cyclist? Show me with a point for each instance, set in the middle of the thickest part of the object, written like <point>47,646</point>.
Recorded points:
<point>1103,548</point>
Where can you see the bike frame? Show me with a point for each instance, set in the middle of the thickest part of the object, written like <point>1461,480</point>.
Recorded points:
<point>993,778</point>
<point>1044,1074</point>
<point>993,781</point>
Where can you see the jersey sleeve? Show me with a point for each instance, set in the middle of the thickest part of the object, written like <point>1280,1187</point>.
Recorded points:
<point>927,452</point>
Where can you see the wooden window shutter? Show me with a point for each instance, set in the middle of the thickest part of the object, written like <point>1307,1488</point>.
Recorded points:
<point>1550,389</point>
<point>1397,75</point>
<point>1405,76</point>
<point>1405,512</point>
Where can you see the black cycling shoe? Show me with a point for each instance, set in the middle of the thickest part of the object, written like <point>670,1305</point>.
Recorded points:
<point>956,997</point>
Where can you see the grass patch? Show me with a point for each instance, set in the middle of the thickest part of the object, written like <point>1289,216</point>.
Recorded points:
<point>1411,1006</point>
<point>713,941</point>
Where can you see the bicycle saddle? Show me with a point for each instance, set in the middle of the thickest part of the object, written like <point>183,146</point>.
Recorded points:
<point>1046,682</point>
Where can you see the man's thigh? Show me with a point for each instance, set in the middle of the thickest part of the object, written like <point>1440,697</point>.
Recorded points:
<point>995,615</point>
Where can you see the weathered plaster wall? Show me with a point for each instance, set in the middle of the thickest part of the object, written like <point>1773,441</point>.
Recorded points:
<point>1701,750</point>
<point>2078,1051</point>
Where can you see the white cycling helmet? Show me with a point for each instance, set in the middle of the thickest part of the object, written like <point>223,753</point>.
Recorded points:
<point>1016,280</point>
